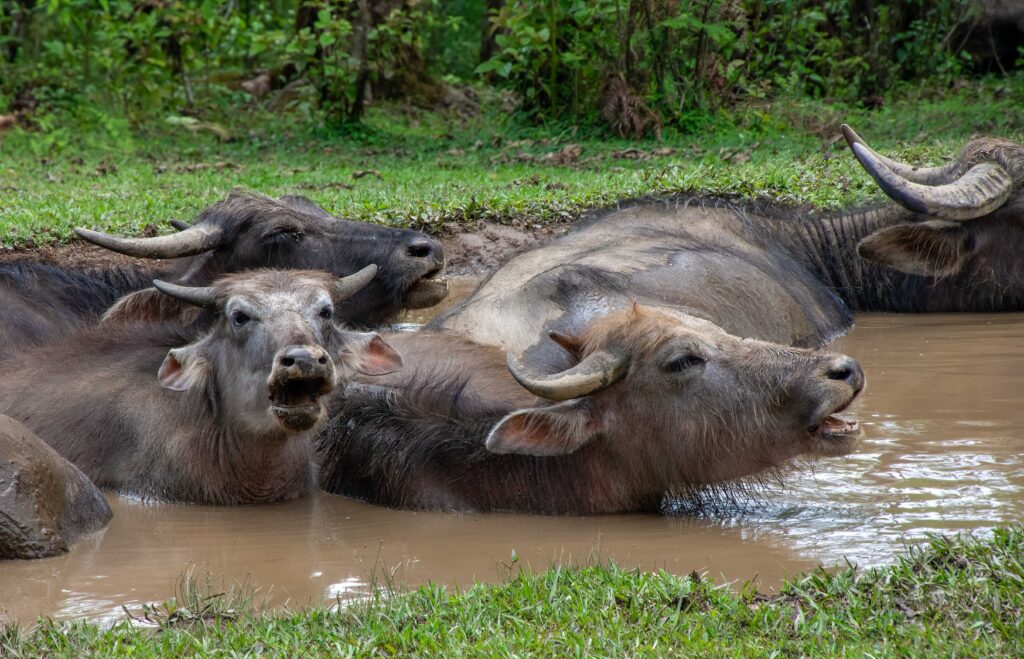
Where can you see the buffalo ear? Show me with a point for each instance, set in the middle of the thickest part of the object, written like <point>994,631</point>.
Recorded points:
<point>935,248</point>
<point>545,431</point>
<point>183,368</point>
<point>369,354</point>
<point>149,305</point>
<point>571,344</point>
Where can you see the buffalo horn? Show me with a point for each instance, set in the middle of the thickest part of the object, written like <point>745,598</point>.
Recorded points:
<point>924,175</point>
<point>983,189</point>
<point>191,241</point>
<point>597,371</point>
<point>346,287</point>
<point>200,296</point>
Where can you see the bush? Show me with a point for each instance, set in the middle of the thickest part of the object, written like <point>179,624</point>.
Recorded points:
<point>639,63</point>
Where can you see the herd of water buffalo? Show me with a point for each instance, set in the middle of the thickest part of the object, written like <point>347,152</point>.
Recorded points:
<point>659,349</point>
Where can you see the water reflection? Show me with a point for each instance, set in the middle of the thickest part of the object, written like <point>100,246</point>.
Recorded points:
<point>942,419</point>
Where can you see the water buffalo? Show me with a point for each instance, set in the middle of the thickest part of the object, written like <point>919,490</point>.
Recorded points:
<point>951,243</point>
<point>242,232</point>
<point>225,417</point>
<point>653,404</point>
<point>46,504</point>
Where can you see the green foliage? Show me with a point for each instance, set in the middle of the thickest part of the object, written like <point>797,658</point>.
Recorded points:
<point>194,54</point>
<point>636,66</point>
<point>679,61</point>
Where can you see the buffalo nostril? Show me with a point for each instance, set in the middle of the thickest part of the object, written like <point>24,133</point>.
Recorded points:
<point>848,370</point>
<point>420,249</point>
<point>287,361</point>
<point>322,360</point>
<point>840,373</point>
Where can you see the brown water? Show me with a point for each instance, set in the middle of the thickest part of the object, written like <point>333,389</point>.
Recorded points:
<point>944,435</point>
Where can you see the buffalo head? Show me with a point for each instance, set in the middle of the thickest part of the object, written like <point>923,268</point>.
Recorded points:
<point>679,402</point>
<point>248,231</point>
<point>966,218</point>
<point>275,337</point>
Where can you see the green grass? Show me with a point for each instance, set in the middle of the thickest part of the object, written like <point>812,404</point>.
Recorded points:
<point>951,597</point>
<point>439,172</point>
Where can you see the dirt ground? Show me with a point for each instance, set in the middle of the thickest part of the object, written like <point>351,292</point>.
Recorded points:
<point>469,254</point>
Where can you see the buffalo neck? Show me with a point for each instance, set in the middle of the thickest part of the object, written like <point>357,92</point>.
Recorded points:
<point>827,246</point>
<point>233,465</point>
<point>379,446</point>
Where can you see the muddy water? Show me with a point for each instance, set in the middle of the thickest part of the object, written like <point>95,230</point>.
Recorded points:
<point>945,432</point>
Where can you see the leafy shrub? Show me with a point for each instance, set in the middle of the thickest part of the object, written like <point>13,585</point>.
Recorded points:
<point>642,62</point>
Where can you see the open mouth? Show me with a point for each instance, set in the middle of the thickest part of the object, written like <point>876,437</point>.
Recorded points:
<point>429,290</point>
<point>295,403</point>
<point>835,435</point>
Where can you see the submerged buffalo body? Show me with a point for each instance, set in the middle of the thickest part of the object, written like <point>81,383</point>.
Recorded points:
<point>652,404</point>
<point>223,417</point>
<point>46,504</point>
<point>243,232</point>
<point>951,244</point>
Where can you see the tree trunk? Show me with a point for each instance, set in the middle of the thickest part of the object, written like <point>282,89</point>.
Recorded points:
<point>489,32</point>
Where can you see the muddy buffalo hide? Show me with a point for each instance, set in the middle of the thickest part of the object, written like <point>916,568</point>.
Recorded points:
<point>46,503</point>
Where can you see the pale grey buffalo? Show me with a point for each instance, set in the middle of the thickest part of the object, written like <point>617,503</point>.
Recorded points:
<point>950,243</point>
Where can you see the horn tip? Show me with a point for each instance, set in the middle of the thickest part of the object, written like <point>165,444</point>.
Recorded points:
<point>850,135</point>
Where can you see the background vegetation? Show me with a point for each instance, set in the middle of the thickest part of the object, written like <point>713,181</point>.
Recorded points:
<point>120,114</point>
<point>633,66</point>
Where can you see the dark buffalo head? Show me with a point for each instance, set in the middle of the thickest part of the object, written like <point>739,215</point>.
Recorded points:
<point>679,402</point>
<point>966,220</point>
<point>248,231</point>
<point>274,346</point>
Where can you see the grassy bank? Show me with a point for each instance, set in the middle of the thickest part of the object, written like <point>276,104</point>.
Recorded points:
<point>950,597</point>
<point>438,172</point>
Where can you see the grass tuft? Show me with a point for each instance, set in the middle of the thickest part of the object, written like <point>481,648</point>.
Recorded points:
<point>951,596</point>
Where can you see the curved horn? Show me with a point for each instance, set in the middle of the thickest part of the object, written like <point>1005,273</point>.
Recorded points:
<point>924,175</point>
<point>200,296</point>
<point>597,371</point>
<point>983,189</point>
<point>346,287</point>
<point>179,225</point>
<point>191,241</point>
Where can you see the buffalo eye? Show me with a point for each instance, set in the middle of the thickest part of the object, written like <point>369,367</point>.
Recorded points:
<point>289,235</point>
<point>681,364</point>
<point>327,313</point>
<point>240,318</point>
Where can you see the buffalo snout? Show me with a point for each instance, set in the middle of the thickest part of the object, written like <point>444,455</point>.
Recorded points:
<point>301,375</point>
<point>426,248</point>
<point>840,380</point>
<point>425,256</point>
<point>846,369</point>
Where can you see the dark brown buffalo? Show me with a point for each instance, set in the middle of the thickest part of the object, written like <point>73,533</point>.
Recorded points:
<point>242,232</point>
<point>46,504</point>
<point>652,404</point>
<point>951,243</point>
<point>224,417</point>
